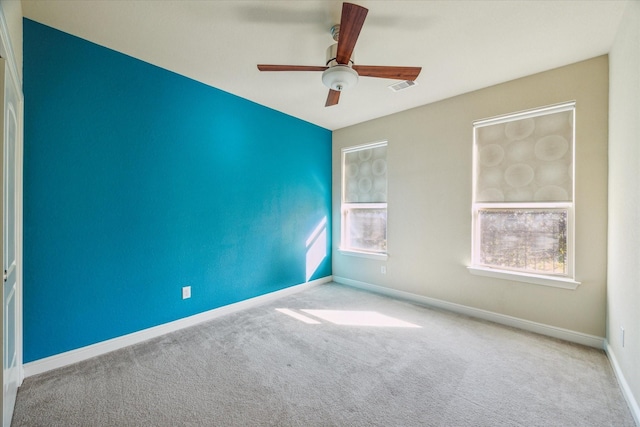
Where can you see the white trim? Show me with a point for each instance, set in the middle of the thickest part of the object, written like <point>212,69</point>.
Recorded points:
<point>527,325</point>
<point>366,146</point>
<point>6,50</point>
<point>350,205</point>
<point>520,205</point>
<point>626,390</point>
<point>370,255</point>
<point>73,356</point>
<point>536,279</point>
<point>534,112</point>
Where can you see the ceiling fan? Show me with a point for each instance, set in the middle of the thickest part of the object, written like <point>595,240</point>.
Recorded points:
<point>340,72</point>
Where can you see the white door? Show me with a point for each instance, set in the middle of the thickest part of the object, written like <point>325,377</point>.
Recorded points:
<point>10,373</point>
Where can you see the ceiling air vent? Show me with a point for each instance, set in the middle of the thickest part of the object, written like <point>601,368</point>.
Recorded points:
<point>397,87</point>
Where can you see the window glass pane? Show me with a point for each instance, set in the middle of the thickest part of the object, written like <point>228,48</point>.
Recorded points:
<point>530,240</point>
<point>366,229</point>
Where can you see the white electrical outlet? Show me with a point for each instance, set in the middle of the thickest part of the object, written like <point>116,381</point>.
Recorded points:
<point>186,292</point>
<point>383,269</point>
<point>622,335</point>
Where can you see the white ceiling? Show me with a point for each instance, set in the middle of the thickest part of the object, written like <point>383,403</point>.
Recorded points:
<point>460,45</point>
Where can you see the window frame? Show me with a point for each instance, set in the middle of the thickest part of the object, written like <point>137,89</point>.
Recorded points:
<point>567,280</point>
<point>346,207</point>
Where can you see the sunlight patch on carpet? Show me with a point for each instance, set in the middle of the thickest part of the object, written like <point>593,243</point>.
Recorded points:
<point>359,318</point>
<point>298,316</point>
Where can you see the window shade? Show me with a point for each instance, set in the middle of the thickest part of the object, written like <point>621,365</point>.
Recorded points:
<point>527,158</point>
<point>365,176</point>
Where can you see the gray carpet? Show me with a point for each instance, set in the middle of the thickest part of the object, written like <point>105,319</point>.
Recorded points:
<point>261,367</point>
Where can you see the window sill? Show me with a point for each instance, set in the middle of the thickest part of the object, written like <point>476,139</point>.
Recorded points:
<point>536,279</point>
<point>370,255</point>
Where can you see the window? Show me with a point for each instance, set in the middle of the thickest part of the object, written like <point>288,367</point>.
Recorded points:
<point>364,199</point>
<point>523,193</point>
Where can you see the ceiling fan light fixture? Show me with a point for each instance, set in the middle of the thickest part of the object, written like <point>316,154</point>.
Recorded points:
<point>340,72</point>
<point>340,77</point>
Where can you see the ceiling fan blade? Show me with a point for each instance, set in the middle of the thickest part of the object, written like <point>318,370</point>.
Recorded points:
<point>333,98</point>
<point>351,23</point>
<point>399,73</point>
<point>266,67</point>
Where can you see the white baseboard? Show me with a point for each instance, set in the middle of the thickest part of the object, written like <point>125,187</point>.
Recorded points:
<point>624,386</point>
<point>77,355</point>
<point>527,325</point>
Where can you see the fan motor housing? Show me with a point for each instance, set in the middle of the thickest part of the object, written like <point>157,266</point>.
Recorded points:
<point>332,52</point>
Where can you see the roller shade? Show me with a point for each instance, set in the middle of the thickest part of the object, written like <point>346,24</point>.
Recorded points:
<point>365,174</point>
<point>525,158</point>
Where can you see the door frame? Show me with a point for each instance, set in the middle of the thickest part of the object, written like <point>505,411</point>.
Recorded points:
<point>6,52</point>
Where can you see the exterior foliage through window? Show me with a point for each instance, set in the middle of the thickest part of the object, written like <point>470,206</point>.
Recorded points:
<point>524,240</point>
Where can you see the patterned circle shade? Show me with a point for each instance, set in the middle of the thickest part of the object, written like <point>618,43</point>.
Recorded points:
<point>366,175</point>
<point>526,160</point>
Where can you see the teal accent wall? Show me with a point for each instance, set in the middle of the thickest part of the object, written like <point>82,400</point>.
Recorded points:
<point>138,181</point>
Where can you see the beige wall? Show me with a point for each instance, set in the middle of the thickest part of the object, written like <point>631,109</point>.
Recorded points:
<point>624,200</point>
<point>429,212</point>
